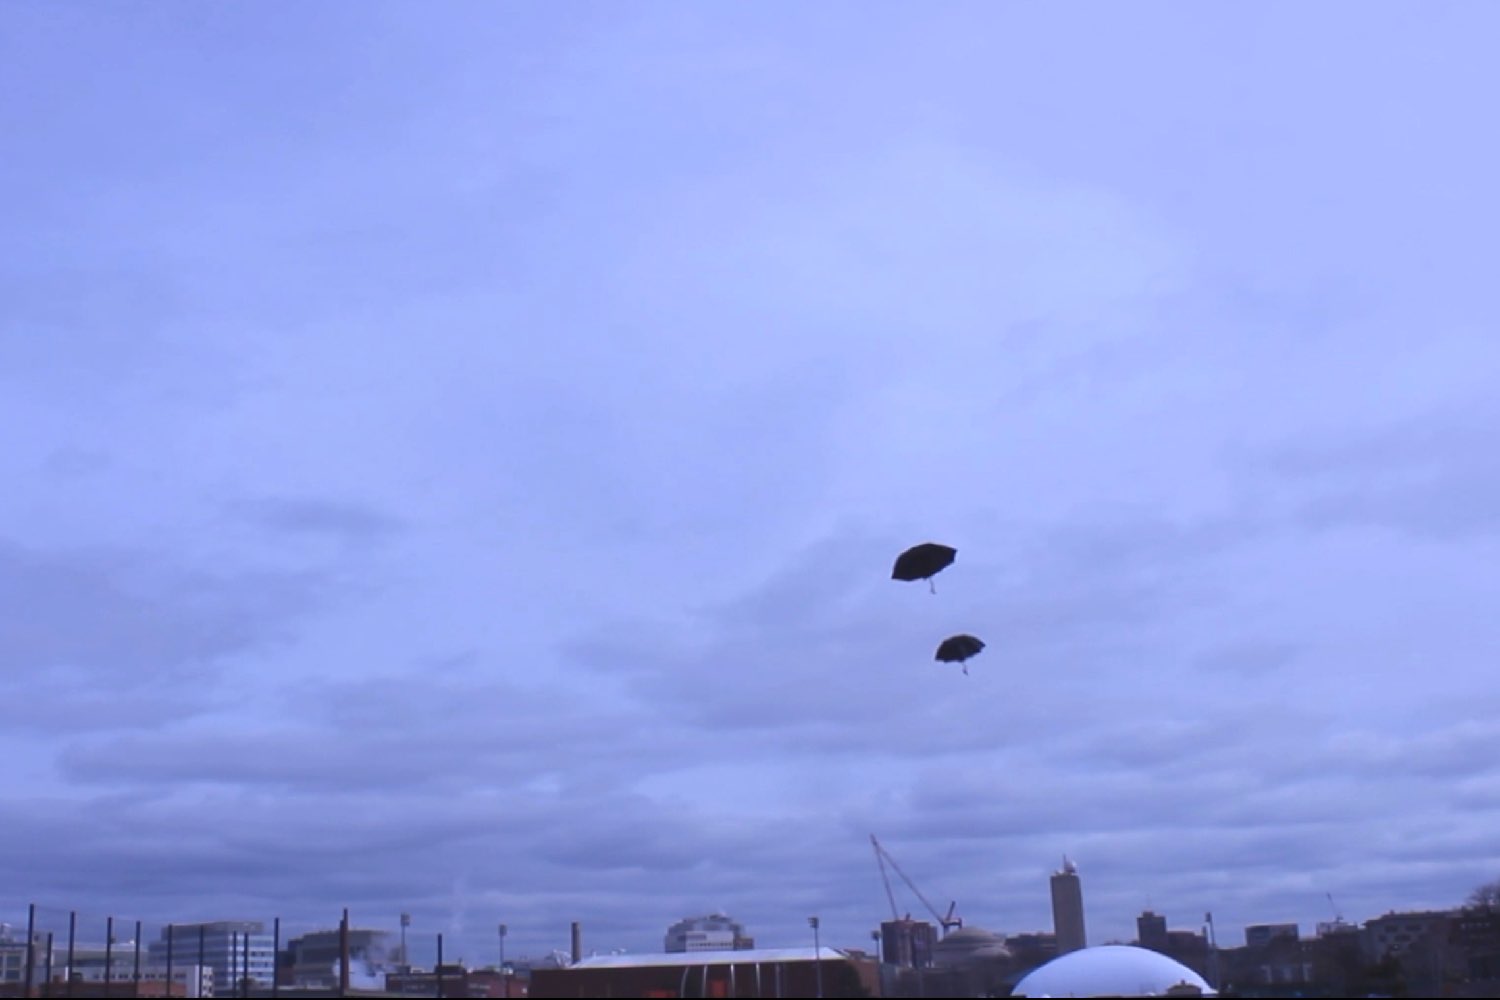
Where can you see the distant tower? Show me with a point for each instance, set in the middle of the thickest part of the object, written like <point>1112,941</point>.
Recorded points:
<point>1067,908</point>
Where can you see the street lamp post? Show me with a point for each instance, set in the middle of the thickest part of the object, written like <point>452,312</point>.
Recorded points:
<point>1213,949</point>
<point>817,953</point>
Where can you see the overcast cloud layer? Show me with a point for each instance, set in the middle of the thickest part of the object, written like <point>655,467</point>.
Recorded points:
<point>454,454</point>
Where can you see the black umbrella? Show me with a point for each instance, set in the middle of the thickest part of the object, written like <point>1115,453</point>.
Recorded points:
<point>957,649</point>
<point>923,562</point>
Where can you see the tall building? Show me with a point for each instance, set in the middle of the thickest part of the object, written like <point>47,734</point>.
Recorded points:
<point>233,949</point>
<point>1067,908</point>
<point>907,943</point>
<point>1151,931</point>
<point>715,932</point>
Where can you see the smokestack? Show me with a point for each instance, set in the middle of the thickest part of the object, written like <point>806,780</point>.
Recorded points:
<point>577,943</point>
<point>344,954</point>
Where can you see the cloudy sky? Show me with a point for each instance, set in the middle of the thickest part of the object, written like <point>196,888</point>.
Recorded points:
<point>454,456</point>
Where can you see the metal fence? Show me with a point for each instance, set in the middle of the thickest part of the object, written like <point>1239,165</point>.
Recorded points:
<point>71,953</point>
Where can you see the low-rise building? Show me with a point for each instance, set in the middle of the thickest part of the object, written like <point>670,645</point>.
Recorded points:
<point>760,972</point>
<point>714,932</point>
<point>315,958</point>
<point>235,949</point>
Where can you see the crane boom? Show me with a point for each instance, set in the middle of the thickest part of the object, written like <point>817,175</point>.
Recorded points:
<point>880,860</point>
<point>883,856</point>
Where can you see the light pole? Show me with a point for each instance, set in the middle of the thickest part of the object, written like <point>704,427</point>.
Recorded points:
<point>817,953</point>
<point>1213,948</point>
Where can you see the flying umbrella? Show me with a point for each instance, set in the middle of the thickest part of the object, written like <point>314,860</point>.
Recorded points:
<point>923,562</point>
<point>957,649</point>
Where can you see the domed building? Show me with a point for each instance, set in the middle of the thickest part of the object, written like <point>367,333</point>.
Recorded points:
<point>968,962</point>
<point>1113,970</point>
<point>969,946</point>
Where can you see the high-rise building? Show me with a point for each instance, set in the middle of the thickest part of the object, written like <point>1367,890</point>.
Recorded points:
<point>907,942</point>
<point>1151,931</point>
<point>1067,908</point>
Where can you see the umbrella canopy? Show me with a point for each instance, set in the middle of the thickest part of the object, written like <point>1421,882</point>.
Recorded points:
<point>957,649</point>
<point>923,562</point>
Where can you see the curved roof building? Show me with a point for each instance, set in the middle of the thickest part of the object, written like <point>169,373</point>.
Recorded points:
<point>968,945</point>
<point>1112,970</point>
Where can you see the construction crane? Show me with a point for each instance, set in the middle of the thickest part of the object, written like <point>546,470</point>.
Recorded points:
<point>882,856</point>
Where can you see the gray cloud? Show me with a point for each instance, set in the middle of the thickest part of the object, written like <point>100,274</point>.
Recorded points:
<point>1434,476</point>
<point>1251,658</point>
<point>352,522</point>
<point>47,309</point>
<point>121,617</point>
<point>397,732</point>
<point>853,651</point>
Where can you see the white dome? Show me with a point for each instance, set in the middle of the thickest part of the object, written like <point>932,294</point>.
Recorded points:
<point>1109,970</point>
<point>969,944</point>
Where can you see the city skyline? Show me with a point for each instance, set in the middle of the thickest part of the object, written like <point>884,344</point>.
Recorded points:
<point>423,941</point>
<point>454,458</point>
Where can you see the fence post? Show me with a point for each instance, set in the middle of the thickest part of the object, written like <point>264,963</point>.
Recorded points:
<point>72,933</point>
<point>344,953</point>
<point>30,947</point>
